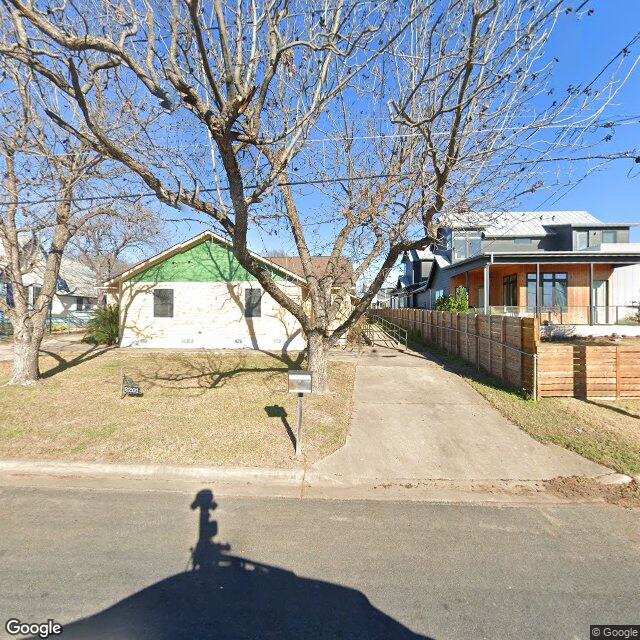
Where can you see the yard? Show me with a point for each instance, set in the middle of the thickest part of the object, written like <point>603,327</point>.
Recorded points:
<point>198,408</point>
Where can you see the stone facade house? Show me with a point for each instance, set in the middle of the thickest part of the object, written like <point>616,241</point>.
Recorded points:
<point>196,295</point>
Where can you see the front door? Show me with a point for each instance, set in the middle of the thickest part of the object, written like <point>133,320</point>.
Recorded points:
<point>600,302</point>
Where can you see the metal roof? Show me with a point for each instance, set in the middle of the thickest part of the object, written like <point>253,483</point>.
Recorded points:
<point>519,223</point>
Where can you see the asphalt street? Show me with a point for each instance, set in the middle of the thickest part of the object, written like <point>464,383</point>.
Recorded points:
<point>137,563</point>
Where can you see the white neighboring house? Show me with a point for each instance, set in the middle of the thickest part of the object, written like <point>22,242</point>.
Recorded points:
<point>197,295</point>
<point>76,287</point>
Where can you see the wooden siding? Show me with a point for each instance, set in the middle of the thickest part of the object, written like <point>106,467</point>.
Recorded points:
<point>577,275</point>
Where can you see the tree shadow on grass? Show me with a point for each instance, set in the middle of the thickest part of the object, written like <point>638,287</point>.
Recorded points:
<point>81,358</point>
<point>605,405</point>
<point>228,597</point>
<point>210,370</point>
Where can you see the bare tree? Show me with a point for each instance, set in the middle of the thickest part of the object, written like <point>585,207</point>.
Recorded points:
<point>254,94</point>
<point>44,201</point>
<point>109,242</point>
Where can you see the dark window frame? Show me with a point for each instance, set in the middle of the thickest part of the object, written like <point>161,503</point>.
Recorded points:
<point>510,290</point>
<point>555,280</point>
<point>253,307</point>
<point>163,308</point>
<point>587,244</point>
<point>532,291</point>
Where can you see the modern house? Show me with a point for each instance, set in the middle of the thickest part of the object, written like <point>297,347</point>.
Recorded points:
<point>197,295</point>
<point>567,267</point>
<point>76,287</point>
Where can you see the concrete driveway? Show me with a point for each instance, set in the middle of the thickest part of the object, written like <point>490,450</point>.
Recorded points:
<point>414,420</point>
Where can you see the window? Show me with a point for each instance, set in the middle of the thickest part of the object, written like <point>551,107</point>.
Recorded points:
<point>532,285</point>
<point>459,248</point>
<point>582,240</point>
<point>79,303</point>
<point>510,290</point>
<point>522,240</point>
<point>480,304</point>
<point>609,236</point>
<point>466,244</point>
<point>9,295</point>
<point>252,303</point>
<point>554,290</point>
<point>163,303</point>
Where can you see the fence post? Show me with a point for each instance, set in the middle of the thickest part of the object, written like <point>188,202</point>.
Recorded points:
<point>477,330</point>
<point>617,371</point>
<point>535,377</point>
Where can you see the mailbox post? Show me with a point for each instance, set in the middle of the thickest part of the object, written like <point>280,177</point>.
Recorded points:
<point>300,382</point>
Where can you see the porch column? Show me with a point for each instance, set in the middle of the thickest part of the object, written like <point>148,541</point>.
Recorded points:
<point>590,293</point>
<point>538,289</point>
<point>486,289</point>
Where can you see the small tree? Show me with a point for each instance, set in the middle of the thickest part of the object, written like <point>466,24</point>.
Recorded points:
<point>456,303</point>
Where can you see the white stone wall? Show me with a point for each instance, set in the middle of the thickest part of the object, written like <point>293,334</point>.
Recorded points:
<point>207,315</point>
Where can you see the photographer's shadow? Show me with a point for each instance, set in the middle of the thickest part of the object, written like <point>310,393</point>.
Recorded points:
<point>228,597</point>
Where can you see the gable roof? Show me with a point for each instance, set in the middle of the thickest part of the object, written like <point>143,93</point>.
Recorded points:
<point>343,272</point>
<point>74,278</point>
<point>520,223</point>
<point>184,246</point>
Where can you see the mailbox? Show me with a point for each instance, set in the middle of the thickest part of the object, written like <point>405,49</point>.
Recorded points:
<point>300,382</point>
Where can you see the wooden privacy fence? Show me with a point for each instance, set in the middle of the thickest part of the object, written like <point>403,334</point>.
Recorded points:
<point>509,348</point>
<point>503,346</point>
<point>589,371</point>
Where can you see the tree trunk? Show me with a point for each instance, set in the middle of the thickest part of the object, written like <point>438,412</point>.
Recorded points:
<point>318,357</point>
<point>26,345</point>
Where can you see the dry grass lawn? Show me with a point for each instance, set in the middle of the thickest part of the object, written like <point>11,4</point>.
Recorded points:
<point>604,431</point>
<point>197,408</point>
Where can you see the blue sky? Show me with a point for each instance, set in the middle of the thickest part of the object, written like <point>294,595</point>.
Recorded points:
<point>584,46</point>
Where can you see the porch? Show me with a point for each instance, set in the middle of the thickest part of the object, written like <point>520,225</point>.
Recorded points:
<point>559,293</point>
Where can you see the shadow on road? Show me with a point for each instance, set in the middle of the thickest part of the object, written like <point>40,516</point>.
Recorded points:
<point>225,596</point>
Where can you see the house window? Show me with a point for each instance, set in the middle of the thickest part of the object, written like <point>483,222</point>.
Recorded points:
<point>252,303</point>
<point>163,303</point>
<point>532,285</point>
<point>79,303</point>
<point>554,290</point>
<point>610,236</point>
<point>582,240</point>
<point>480,304</point>
<point>465,245</point>
<point>9,295</point>
<point>510,290</point>
<point>459,248</point>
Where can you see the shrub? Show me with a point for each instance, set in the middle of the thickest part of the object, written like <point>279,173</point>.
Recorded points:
<point>104,327</point>
<point>458,303</point>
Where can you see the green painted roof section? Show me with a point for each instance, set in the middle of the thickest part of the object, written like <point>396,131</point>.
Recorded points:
<point>205,262</point>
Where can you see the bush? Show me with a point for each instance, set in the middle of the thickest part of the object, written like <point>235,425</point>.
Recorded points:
<point>458,303</point>
<point>104,327</point>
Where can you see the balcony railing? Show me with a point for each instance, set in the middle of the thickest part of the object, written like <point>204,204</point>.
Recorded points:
<point>597,315</point>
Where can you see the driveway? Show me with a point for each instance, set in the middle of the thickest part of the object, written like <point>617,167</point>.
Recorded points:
<point>414,420</point>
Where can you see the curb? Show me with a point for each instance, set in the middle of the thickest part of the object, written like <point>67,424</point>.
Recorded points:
<point>157,471</point>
